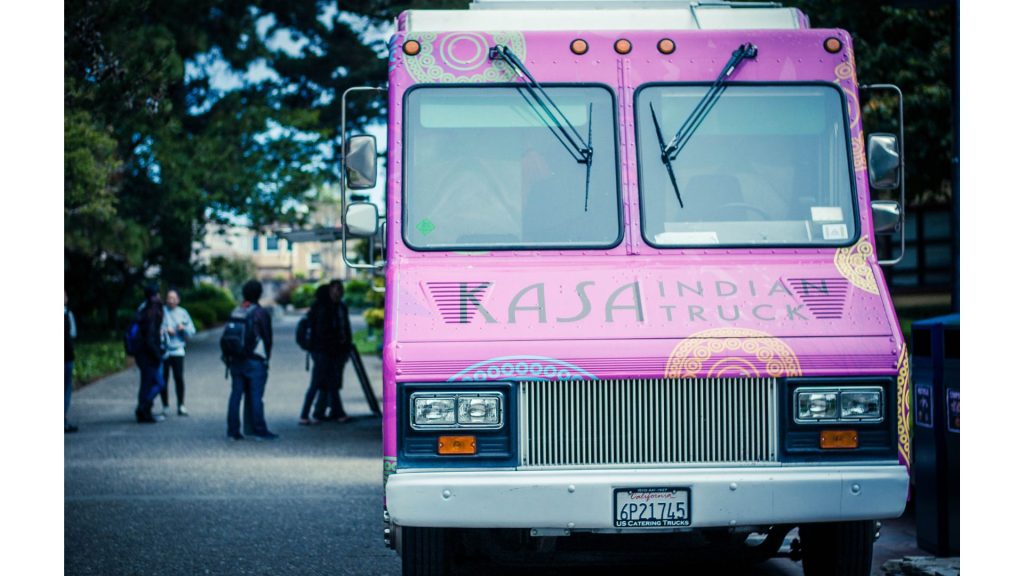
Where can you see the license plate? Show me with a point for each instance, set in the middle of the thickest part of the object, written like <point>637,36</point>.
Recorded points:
<point>651,507</point>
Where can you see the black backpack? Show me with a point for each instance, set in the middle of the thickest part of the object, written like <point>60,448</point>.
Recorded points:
<point>304,333</point>
<point>238,341</point>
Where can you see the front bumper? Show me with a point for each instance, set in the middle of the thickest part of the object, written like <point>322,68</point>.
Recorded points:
<point>582,499</point>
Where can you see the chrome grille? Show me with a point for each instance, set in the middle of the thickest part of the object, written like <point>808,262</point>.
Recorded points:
<point>648,422</point>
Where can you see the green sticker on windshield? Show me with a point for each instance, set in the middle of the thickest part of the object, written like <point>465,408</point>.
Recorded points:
<point>425,226</point>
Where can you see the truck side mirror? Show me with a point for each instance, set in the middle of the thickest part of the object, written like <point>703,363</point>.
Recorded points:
<point>361,162</point>
<point>887,216</point>
<point>361,220</point>
<point>883,161</point>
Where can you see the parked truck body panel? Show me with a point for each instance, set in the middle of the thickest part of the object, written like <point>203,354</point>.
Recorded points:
<point>630,348</point>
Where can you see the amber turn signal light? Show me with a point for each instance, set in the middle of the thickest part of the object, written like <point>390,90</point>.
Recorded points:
<point>411,47</point>
<point>830,439</point>
<point>666,46</point>
<point>623,46</point>
<point>449,445</point>
<point>579,46</point>
<point>833,45</point>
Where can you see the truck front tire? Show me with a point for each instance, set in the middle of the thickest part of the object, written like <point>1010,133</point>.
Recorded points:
<point>838,548</point>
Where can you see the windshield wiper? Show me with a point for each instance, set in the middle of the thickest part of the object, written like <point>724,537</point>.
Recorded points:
<point>553,117</point>
<point>670,151</point>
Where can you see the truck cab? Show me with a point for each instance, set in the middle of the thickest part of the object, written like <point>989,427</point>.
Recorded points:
<point>632,286</point>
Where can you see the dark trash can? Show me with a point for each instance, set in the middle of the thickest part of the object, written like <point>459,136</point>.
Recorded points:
<point>935,372</point>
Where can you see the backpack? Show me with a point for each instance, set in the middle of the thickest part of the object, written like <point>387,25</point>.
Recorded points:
<point>133,338</point>
<point>239,340</point>
<point>304,333</point>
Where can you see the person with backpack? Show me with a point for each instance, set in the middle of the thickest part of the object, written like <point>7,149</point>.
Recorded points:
<point>312,335</point>
<point>178,327</point>
<point>145,344</point>
<point>246,344</point>
<point>344,344</point>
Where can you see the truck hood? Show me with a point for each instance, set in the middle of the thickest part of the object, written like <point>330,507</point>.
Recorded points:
<point>633,315</point>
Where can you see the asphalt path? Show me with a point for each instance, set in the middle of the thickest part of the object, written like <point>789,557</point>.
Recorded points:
<point>179,498</point>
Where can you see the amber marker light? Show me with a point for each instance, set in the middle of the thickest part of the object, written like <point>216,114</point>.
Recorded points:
<point>833,439</point>
<point>453,445</point>
<point>579,46</point>
<point>666,46</point>
<point>411,47</point>
<point>833,45</point>
<point>623,46</point>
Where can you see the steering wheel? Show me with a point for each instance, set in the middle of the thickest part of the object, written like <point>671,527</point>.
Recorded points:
<point>746,207</point>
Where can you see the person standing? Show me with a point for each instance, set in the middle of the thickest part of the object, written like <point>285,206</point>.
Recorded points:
<point>150,319</point>
<point>178,328</point>
<point>326,349</point>
<point>344,343</point>
<point>319,318</point>
<point>70,333</point>
<point>249,366</point>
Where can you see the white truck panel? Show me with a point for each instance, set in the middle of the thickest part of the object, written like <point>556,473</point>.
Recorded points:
<point>544,19</point>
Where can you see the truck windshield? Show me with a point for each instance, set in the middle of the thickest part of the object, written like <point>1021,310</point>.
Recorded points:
<point>483,170</point>
<point>770,166</point>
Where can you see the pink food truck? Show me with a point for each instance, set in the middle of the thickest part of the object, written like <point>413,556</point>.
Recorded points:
<point>632,286</point>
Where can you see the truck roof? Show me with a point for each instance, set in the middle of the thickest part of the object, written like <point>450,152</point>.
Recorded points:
<point>554,15</point>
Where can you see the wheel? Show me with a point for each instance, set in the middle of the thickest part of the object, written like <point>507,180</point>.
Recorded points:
<point>424,551</point>
<point>838,548</point>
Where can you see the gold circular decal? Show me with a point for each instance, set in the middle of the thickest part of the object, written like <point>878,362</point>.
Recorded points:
<point>852,263</point>
<point>732,352</point>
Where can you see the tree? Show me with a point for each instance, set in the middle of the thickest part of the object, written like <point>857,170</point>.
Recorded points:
<point>912,48</point>
<point>156,145</point>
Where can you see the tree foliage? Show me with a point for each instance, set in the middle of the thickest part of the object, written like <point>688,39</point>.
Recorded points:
<point>181,112</point>
<point>912,48</point>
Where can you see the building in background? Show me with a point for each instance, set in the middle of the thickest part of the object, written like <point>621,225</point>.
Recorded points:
<point>281,254</point>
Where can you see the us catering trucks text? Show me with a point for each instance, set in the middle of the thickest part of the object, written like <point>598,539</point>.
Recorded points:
<point>632,288</point>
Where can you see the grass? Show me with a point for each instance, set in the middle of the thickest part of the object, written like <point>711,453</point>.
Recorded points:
<point>367,343</point>
<point>94,360</point>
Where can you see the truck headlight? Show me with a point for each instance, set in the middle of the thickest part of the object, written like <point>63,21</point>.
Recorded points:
<point>451,410</point>
<point>484,410</point>
<point>816,405</point>
<point>819,404</point>
<point>428,411</point>
<point>861,405</point>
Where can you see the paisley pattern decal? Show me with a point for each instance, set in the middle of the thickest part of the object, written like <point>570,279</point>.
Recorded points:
<point>903,407</point>
<point>846,77</point>
<point>522,368</point>
<point>462,57</point>
<point>732,352</point>
<point>852,263</point>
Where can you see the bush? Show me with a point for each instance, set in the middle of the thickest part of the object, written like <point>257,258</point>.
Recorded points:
<point>355,293</point>
<point>97,359</point>
<point>208,305</point>
<point>302,297</point>
<point>284,295</point>
<point>374,318</point>
<point>203,315</point>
